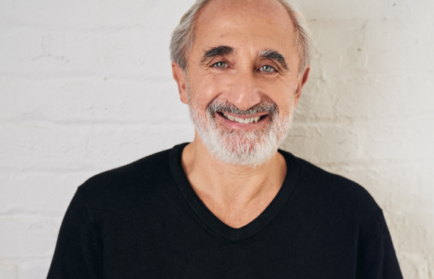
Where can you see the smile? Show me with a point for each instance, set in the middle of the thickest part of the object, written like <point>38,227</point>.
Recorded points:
<point>241,120</point>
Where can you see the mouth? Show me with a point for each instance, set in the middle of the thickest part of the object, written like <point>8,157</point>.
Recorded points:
<point>242,119</point>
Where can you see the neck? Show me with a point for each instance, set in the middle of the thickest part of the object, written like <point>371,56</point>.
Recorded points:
<point>222,185</point>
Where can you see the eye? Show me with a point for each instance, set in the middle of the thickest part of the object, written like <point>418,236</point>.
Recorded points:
<point>220,65</point>
<point>267,69</point>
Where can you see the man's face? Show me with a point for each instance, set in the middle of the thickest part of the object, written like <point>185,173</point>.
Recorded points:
<point>243,81</point>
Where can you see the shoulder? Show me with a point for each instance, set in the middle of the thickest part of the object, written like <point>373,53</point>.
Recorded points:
<point>339,190</point>
<point>121,184</point>
<point>334,193</point>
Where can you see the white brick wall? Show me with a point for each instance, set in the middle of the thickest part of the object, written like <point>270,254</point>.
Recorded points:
<point>86,86</point>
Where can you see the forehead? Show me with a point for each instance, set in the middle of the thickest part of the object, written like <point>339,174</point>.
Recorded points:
<point>257,24</point>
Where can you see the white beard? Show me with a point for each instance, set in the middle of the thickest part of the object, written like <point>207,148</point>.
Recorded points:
<point>245,148</point>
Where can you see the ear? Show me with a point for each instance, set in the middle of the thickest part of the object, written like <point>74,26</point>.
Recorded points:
<point>300,85</point>
<point>180,78</point>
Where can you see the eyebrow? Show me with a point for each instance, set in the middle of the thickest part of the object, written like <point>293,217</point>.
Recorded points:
<point>275,56</point>
<point>216,51</point>
<point>225,50</point>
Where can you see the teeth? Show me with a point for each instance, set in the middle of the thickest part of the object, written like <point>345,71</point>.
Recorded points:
<point>242,120</point>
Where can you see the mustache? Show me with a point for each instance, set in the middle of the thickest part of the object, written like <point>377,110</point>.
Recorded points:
<point>224,106</point>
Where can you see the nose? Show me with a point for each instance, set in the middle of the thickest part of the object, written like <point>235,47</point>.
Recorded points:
<point>243,91</point>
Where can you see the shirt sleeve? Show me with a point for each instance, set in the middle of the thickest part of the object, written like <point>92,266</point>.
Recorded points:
<point>77,254</point>
<point>376,255</point>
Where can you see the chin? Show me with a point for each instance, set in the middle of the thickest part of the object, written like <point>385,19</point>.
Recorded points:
<point>242,148</point>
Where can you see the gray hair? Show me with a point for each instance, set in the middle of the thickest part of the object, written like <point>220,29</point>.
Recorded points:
<point>183,35</point>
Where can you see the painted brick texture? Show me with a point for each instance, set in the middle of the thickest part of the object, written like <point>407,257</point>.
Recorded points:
<point>86,86</point>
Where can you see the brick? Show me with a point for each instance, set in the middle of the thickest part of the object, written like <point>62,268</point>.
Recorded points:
<point>39,194</point>
<point>34,269</point>
<point>397,139</point>
<point>131,54</point>
<point>110,102</point>
<point>367,98</point>
<point>8,271</point>
<point>95,148</point>
<point>92,14</point>
<point>22,237</point>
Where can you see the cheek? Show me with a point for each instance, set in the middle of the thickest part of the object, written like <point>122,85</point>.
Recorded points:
<point>282,95</point>
<point>206,89</point>
<point>285,106</point>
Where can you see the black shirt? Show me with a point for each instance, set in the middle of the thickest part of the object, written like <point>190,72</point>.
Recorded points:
<point>144,220</point>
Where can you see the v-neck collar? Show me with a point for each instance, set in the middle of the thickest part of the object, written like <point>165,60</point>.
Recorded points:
<point>216,224</point>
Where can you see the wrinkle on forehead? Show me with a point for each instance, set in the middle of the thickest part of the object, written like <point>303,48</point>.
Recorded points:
<point>269,18</point>
<point>272,10</point>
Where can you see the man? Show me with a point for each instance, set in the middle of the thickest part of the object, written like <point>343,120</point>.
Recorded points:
<point>229,204</point>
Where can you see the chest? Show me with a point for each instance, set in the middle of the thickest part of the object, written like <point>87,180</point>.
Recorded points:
<point>187,250</point>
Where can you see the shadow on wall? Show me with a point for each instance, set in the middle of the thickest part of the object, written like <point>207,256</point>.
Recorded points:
<point>355,118</point>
